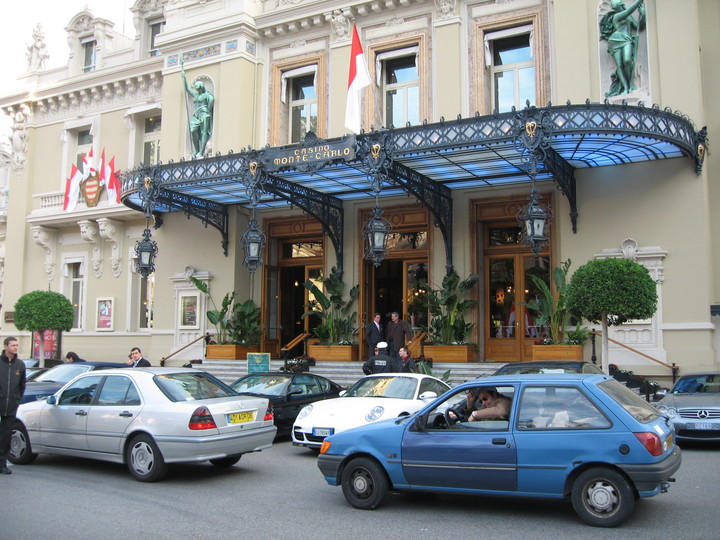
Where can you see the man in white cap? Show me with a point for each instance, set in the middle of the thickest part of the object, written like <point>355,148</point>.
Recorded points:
<point>380,363</point>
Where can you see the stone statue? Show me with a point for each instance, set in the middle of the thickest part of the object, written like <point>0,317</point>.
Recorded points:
<point>340,25</point>
<point>621,30</point>
<point>37,51</point>
<point>201,123</point>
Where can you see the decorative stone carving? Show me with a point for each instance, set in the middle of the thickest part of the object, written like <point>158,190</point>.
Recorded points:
<point>340,25</point>
<point>445,8</point>
<point>89,232</point>
<point>37,52</point>
<point>47,239</point>
<point>111,231</point>
<point>18,137</point>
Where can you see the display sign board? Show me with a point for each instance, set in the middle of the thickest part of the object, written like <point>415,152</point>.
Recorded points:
<point>258,362</point>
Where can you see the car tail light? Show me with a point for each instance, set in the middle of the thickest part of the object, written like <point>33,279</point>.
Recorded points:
<point>651,442</point>
<point>269,415</point>
<point>202,419</point>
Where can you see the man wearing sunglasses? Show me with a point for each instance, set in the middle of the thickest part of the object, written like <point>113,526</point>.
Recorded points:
<point>490,405</point>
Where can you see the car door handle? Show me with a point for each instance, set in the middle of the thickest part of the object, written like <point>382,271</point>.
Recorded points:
<point>499,441</point>
<point>80,413</point>
<point>126,414</point>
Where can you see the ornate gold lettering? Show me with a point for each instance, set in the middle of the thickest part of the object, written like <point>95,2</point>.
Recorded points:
<point>375,151</point>
<point>530,128</point>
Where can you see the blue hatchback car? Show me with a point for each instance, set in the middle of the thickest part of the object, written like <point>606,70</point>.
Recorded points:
<point>582,437</point>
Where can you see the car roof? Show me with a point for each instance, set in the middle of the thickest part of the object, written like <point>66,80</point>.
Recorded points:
<point>411,375</point>
<point>700,374</point>
<point>500,380</point>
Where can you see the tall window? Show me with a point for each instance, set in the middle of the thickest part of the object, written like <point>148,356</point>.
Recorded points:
<point>156,29</point>
<point>512,67</point>
<point>151,140</point>
<point>84,144</point>
<point>147,301</point>
<point>303,106</point>
<point>89,51</point>
<point>75,283</point>
<point>401,88</point>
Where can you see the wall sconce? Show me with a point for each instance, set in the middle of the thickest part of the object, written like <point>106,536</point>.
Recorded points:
<point>146,250</point>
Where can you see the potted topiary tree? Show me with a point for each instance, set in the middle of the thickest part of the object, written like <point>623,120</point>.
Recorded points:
<point>448,331</point>
<point>336,326</point>
<point>237,326</point>
<point>611,292</point>
<point>38,311</point>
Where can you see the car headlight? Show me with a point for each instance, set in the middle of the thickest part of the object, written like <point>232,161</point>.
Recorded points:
<point>307,409</point>
<point>670,411</point>
<point>375,413</point>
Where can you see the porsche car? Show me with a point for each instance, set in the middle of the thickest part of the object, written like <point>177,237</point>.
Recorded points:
<point>693,406</point>
<point>583,438</point>
<point>372,398</point>
<point>145,418</point>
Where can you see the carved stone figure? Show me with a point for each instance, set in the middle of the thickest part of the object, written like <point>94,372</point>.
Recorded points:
<point>622,33</point>
<point>201,123</point>
<point>37,53</point>
<point>340,25</point>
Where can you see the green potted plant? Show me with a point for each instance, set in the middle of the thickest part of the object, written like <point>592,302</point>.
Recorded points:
<point>38,311</point>
<point>336,320</point>
<point>551,311</point>
<point>611,291</point>
<point>237,326</point>
<point>448,330</point>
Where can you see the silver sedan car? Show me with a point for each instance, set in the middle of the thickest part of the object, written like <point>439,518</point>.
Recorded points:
<point>693,405</point>
<point>145,418</point>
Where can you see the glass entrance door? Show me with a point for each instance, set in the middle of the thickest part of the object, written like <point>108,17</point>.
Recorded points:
<point>511,328</point>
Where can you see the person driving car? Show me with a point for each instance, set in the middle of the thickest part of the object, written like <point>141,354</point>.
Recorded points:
<point>487,404</point>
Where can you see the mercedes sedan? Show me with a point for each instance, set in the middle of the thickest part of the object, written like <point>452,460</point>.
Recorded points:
<point>145,418</point>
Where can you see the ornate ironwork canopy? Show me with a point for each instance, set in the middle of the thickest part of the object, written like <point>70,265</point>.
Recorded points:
<point>426,161</point>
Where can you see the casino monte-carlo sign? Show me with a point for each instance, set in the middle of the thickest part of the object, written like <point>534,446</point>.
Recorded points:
<point>311,154</point>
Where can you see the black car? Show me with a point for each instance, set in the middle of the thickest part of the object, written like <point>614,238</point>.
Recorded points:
<point>52,380</point>
<point>550,366</point>
<point>288,393</point>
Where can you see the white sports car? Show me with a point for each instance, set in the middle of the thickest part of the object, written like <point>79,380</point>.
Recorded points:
<point>372,398</point>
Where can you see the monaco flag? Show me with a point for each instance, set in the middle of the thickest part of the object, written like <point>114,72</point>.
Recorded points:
<point>72,189</point>
<point>358,79</point>
<point>107,177</point>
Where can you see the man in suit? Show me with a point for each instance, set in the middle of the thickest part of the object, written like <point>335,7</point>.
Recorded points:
<point>136,358</point>
<point>374,333</point>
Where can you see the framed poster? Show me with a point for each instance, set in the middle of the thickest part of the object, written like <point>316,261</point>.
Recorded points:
<point>104,315</point>
<point>189,311</point>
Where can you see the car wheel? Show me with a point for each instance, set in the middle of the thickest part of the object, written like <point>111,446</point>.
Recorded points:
<point>226,461</point>
<point>364,483</point>
<point>144,460</point>
<point>20,449</point>
<point>602,497</point>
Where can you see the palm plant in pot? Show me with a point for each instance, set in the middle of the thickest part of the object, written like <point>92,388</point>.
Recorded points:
<point>336,319</point>
<point>447,306</point>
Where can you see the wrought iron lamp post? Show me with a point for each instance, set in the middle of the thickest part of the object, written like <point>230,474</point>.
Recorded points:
<point>146,249</point>
<point>377,229</point>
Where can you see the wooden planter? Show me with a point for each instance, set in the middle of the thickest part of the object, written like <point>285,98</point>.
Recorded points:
<point>229,352</point>
<point>557,352</point>
<point>333,353</point>
<point>450,353</point>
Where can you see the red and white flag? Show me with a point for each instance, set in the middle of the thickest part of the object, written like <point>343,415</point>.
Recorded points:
<point>358,79</point>
<point>72,189</point>
<point>107,177</point>
<point>88,165</point>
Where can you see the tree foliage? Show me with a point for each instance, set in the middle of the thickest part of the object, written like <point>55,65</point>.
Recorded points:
<point>612,291</point>
<point>43,310</point>
<point>447,306</point>
<point>336,322</point>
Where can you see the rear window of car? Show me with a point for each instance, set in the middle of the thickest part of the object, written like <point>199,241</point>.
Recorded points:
<point>636,406</point>
<point>62,374</point>
<point>192,386</point>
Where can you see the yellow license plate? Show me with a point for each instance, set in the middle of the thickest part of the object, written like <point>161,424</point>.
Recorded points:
<point>239,417</point>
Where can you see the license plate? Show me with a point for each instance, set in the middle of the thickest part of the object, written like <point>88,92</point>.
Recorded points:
<point>322,431</point>
<point>240,417</point>
<point>704,425</point>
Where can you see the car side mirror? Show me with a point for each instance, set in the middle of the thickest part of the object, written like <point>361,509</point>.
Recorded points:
<point>428,396</point>
<point>295,392</point>
<point>52,400</point>
<point>342,393</point>
<point>419,424</point>
<point>657,396</point>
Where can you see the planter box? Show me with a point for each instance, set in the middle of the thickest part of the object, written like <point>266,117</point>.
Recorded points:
<point>557,352</point>
<point>229,352</point>
<point>333,353</point>
<point>450,353</point>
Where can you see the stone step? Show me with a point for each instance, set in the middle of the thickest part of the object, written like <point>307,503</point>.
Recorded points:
<point>346,373</point>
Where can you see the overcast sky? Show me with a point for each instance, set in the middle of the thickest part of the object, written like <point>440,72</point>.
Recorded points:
<point>16,30</point>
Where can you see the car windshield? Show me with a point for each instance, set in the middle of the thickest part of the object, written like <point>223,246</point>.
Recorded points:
<point>640,409</point>
<point>192,386</point>
<point>62,373</point>
<point>387,387</point>
<point>269,385</point>
<point>706,384</point>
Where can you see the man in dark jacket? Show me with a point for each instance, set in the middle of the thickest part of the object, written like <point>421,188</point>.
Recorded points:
<point>380,363</point>
<point>407,363</point>
<point>12,388</point>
